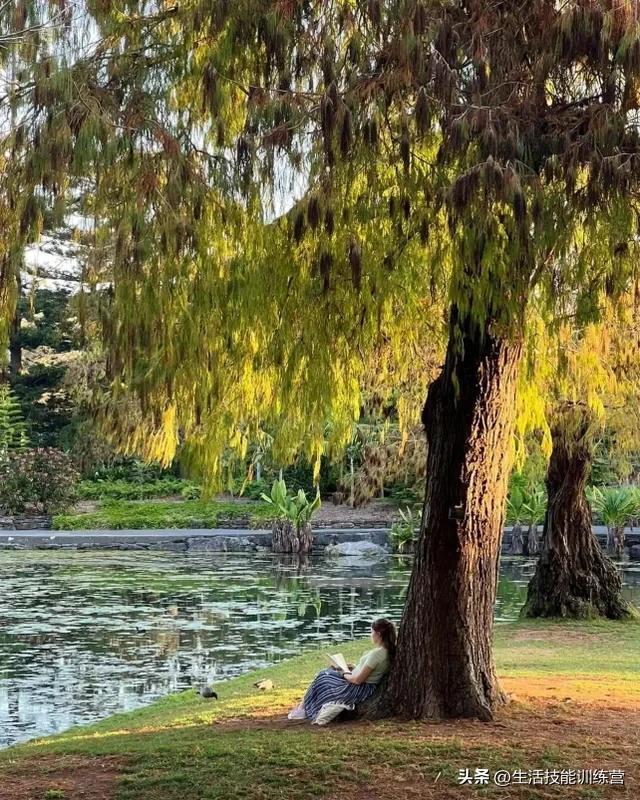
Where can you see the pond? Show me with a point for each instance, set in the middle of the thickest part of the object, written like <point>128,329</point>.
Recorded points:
<point>87,634</point>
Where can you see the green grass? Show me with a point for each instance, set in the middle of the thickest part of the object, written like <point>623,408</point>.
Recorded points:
<point>116,515</point>
<point>186,748</point>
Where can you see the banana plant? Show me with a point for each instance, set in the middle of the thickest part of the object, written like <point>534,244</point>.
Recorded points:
<point>298,509</point>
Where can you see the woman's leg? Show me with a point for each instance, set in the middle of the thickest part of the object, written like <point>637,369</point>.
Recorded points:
<point>325,687</point>
<point>300,712</point>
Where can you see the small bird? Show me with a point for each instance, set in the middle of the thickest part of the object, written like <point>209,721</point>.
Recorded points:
<point>208,693</point>
<point>264,685</point>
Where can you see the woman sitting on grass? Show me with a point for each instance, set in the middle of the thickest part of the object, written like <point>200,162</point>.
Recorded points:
<point>359,683</point>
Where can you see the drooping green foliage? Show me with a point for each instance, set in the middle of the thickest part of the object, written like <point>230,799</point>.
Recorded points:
<point>282,187</point>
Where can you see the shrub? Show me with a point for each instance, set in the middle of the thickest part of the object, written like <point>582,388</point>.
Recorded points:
<point>403,533</point>
<point>13,431</point>
<point>254,490</point>
<point>131,470</point>
<point>132,490</point>
<point>404,494</point>
<point>116,515</point>
<point>41,479</point>
<point>298,509</point>
<point>191,491</point>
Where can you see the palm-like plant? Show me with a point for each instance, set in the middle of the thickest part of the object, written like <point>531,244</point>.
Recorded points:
<point>616,507</point>
<point>403,532</point>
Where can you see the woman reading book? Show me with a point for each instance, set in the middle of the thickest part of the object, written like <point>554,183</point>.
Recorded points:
<point>355,684</point>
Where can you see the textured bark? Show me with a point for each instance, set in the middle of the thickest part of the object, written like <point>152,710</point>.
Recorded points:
<point>573,578</point>
<point>444,664</point>
<point>516,547</point>
<point>615,540</point>
<point>533,542</point>
<point>286,539</point>
<point>15,338</point>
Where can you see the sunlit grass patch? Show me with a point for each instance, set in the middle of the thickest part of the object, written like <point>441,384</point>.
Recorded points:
<point>123,514</point>
<point>567,678</point>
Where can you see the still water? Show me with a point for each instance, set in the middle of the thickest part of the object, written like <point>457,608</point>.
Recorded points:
<point>84,635</point>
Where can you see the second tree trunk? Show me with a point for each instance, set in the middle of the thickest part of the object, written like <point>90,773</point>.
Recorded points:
<point>573,578</point>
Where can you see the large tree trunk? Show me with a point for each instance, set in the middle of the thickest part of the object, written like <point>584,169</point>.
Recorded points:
<point>573,578</point>
<point>444,664</point>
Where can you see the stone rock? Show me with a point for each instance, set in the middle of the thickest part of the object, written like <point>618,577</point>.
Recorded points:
<point>42,522</point>
<point>634,551</point>
<point>356,550</point>
<point>7,524</point>
<point>223,544</point>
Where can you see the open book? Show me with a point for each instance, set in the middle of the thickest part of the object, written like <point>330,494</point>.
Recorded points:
<point>338,661</point>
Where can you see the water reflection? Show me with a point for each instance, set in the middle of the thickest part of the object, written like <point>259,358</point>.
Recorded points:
<point>84,635</point>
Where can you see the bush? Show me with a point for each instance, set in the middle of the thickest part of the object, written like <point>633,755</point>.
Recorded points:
<point>297,508</point>
<point>131,490</point>
<point>42,479</point>
<point>403,494</point>
<point>254,490</point>
<point>116,515</point>
<point>13,431</point>
<point>404,532</point>
<point>132,471</point>
<point>191,491</point>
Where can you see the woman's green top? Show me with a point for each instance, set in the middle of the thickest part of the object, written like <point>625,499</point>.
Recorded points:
<point>378,660</point>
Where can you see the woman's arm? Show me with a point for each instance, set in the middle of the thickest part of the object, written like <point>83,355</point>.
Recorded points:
<point>358,677</point>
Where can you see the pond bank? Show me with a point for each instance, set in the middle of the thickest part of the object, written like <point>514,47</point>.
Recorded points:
<point>230,540</point>
<point>215,540</point>
<point>565,681</point>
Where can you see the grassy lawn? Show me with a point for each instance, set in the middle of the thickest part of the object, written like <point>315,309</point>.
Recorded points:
<point>119,514</point>
<point>575,704</point>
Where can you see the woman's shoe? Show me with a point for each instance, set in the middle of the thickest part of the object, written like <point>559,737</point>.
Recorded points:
<point>297,713</point>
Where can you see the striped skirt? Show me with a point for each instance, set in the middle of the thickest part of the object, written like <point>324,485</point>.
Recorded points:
<point>330,687</point>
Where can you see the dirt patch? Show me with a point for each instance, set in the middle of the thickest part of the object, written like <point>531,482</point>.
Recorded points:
<point>575,735</point>
<point>374,514</point>
<point>68,777</point>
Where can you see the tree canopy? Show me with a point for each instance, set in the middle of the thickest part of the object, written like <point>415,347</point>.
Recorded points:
<point>434,151</point>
